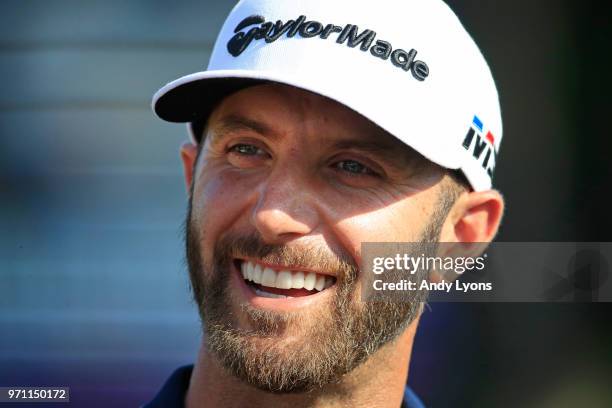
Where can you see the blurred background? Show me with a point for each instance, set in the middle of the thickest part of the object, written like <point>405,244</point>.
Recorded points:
<point>93,287</point>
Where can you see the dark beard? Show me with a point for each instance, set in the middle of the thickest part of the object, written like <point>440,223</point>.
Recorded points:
<point>342,338</point>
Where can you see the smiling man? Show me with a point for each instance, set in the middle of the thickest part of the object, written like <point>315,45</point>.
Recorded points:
<point>319,126</point>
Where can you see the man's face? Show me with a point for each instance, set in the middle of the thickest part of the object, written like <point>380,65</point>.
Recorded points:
<point>287,186</point>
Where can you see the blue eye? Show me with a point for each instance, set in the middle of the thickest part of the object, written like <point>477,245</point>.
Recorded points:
<point>246,149</point>
<point>353,167</point>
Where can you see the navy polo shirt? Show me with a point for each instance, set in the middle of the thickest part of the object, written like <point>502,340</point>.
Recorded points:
<point>172,394</point>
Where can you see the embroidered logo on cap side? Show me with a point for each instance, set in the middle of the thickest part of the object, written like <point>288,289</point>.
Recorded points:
<point>349,34</point>
<point>482,147</point>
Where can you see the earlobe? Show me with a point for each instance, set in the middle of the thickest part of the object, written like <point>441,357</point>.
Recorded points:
<point>189,154</point>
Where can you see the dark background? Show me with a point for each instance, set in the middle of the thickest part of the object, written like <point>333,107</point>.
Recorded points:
<point>93,289</point>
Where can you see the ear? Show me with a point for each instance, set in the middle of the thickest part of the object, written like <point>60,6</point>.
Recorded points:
<point>470,226</point>
<point>474,218</point>
<point>189,154</point>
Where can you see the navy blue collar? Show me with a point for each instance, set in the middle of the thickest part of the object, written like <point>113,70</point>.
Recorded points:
<point>172,394</point>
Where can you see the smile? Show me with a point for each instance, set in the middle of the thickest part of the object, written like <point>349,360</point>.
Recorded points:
<point>277,283</point>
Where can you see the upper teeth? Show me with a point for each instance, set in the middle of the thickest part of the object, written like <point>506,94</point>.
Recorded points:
<point>284,279</point>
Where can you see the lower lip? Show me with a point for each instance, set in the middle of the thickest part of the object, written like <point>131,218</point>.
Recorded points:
<point>276,304</point>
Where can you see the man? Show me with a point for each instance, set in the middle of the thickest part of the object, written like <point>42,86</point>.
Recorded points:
<point>319,126</point>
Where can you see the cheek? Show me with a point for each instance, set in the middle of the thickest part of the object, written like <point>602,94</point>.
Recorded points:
<point>219,199</point>
<point>403,221</point>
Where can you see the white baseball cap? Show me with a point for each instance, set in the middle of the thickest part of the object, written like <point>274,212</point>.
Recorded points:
<point>407,65</point>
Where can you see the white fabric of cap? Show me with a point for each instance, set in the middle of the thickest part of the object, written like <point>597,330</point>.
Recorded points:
<point>433,113</point>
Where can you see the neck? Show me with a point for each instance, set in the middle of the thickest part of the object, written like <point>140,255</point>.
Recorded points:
<point>378,382</point>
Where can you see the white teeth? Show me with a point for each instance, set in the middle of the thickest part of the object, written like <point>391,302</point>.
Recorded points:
<point>284,280</point>
<point>268,278</point>
<point>257,272</point>
<point>320,283</point>
<point>249,271</point>
<point>297,280</point>
<point>310,280</point>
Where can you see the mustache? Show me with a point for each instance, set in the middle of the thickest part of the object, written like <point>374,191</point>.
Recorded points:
<point>302,256</point>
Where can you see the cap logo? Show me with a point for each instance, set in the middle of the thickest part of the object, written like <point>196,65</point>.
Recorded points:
<point>481,150</point>
<point>349,34</point>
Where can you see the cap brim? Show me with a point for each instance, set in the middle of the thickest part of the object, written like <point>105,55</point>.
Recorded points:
<point>192,98</point>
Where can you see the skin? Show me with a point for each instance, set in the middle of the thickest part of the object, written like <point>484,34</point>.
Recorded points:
<point>300,169</point>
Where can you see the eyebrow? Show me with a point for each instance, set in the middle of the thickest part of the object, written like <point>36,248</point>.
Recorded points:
<point>396,154</point>
<point>233,123</point>
<point>367,145</point>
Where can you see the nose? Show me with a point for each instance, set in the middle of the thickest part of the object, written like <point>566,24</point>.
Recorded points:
<point>285,208</point>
